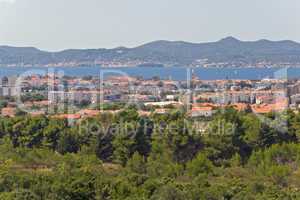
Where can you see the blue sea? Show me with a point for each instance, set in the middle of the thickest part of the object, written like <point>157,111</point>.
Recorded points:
<point>174,73</point>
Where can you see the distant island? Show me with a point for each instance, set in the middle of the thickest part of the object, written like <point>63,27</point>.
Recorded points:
<point>227,52</point>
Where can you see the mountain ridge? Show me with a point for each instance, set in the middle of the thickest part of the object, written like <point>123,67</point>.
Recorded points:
<point>228,51</point>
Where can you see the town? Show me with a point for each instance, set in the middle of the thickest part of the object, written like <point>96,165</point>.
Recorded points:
<point>80,97</point>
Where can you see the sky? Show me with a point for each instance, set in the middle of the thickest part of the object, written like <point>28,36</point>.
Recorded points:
<point>55,25</point>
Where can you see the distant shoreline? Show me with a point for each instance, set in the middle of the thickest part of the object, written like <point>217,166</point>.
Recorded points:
<point>174,73</point>
<point>113,67</point>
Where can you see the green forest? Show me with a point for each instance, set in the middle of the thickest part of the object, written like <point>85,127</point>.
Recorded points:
<point>123,156</point>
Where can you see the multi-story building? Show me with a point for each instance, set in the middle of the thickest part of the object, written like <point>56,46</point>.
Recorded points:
<point>9,87</point>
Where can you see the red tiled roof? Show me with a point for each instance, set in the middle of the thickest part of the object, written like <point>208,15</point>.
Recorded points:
<point>161,111</point>
<point>240,106</point>
<point>8,112</point>
<point>267,108</point>
<point>89,112</point>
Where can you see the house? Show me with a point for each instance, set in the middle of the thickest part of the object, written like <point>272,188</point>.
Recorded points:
<point>279,106</point>
<point>67,116</point>
<point>37,113</point>
<point>206,111</point>
<point>8,112</point>
<point>170,97</point>
<point>240,106</point>
<point>110,111</point>
<point>264,99</point>
<point>164,103</point>
<point>161,111</point>
<point>89,113</point>
<point>144,113</point>
<point>262,109</point>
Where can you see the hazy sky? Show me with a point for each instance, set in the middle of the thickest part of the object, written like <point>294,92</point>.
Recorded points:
<point>61,24</point>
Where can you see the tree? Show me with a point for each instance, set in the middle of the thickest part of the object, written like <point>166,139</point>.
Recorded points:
<point>104,146</point>
<point>201,164</point>
<point>128,115</point>
<point>29,131</point>
<point>52,133</point>
<point>123,145</point>
<point>137,164</point>
<point>143,137</point>
<point>169,192</point>
<point>67,143</point>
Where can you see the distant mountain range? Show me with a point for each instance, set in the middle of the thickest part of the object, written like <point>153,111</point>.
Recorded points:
<point>226,52</point>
